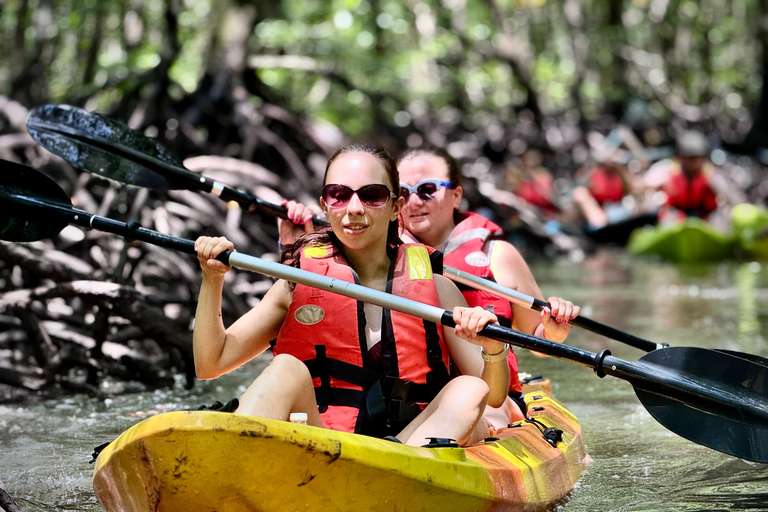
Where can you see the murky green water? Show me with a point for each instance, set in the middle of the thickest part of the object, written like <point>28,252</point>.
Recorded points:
<point>638,464</point>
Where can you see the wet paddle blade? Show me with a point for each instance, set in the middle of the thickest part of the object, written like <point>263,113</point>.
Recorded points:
<point>101,145</point>
<point>733,430</point>
<point>744,355</point>
<point>20,223</point>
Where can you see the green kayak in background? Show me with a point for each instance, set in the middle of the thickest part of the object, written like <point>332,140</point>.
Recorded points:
<point>750,227</point>
<point>689,241</point>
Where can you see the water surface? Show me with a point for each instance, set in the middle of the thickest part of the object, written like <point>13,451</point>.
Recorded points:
<point>637,465</point>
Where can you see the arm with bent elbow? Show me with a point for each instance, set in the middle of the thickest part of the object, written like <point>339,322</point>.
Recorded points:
<point>218,350</point>
<point>465,344</point>
<point>510,270</point>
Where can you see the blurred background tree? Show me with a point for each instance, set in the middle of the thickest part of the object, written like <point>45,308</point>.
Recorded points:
<point>276,81</point>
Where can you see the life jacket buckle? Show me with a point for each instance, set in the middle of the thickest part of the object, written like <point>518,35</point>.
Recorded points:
<point>393,388</point>
<point>401,411</point>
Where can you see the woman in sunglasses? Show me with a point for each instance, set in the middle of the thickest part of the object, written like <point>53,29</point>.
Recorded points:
<point>348,365</point>
<point>431,189</point>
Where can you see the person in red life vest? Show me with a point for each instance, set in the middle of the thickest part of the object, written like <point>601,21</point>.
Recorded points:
<point>689,180</point>
<point>431,188</point>
<point>348,365</point>
<point>533,183</point>
<point>599,199</point>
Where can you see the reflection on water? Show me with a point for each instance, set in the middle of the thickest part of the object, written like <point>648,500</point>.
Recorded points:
<point>638,465</point>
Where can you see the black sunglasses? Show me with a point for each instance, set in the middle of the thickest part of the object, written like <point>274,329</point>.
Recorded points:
<point>372,196</point>
<point>425,189</point>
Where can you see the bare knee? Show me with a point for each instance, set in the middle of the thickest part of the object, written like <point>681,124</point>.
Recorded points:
<point>468,389</point>
<point>286,364</point>
<point>283,386</point>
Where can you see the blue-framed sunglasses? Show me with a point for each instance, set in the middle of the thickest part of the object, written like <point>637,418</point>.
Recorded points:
<point>425,189</point>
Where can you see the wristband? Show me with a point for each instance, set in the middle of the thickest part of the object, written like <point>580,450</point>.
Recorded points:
<point>492,358</point>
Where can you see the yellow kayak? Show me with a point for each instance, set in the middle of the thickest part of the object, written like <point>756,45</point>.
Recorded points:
<point>203,460</point>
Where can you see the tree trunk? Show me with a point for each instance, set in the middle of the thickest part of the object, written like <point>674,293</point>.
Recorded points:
<point>758,135</point>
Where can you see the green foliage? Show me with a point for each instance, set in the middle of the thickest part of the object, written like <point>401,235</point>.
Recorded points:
<point>357,63</point>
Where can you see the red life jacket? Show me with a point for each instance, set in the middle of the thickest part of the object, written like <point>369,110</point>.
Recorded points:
<point>537,192</point>
<point>606,186</point>
<point>468,249</point>
<point>693,195</point>
<point>327,332</point>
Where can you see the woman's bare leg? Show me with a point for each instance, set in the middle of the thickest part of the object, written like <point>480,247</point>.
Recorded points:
<point>285,386</point>
<point>453,414</point>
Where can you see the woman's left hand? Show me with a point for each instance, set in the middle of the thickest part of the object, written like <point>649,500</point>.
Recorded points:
<point>555,320</point>
<point>298,223</point>
<point>470,321</point>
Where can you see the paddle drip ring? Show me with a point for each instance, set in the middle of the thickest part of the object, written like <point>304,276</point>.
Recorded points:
<point>598,364</point>
<point>132,228</point>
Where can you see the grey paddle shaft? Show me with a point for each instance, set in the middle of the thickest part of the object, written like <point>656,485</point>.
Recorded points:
<point>362,293</point>
<point>530,302</point>
<point>646,376</point>
<point>491,287</point>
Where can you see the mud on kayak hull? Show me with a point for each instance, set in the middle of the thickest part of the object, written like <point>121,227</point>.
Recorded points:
<point>202,460</point>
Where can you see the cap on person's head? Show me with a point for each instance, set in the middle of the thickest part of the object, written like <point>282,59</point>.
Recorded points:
<point>692,143</point>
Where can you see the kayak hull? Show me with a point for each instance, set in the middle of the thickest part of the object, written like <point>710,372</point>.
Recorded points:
<point>202,460</point>
<point>750,226</point>
<point>689,241</point>
<point>618,233</point>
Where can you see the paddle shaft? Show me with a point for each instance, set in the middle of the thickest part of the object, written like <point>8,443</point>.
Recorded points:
<point>179,176</point>
<point>646,376</point>
<point>530,302</point>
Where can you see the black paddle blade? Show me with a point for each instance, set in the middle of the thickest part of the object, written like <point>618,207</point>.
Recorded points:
<point>744,355</point>
<point>102,145</point>
<point>19,221</point>
<point>733,429</point>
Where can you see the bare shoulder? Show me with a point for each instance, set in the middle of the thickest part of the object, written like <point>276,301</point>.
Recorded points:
<point>448,293</point>
<point>279,295</point>
<point>511,270</point>
<point>283,290</point>
<point>506,259</point>
<point>504,250</point>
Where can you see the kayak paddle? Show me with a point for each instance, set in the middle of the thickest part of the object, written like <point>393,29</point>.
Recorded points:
<point>708,397</point>
<point>102,145</point>
<point>531,302</point>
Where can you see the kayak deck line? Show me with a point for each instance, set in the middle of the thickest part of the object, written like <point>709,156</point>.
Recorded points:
<point>205,460</point>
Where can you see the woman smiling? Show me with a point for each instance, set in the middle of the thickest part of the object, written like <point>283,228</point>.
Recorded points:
<point>348,365</point>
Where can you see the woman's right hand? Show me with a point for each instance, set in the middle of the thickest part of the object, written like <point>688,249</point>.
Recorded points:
<point>207,249</point>
<point>298,223</point>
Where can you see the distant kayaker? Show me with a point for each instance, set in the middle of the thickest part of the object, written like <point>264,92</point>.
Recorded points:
<point>348,365</point>
<point>690,181</point>
<point>533,183</point>
<point>431,188</point>
<point>600,198</point>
